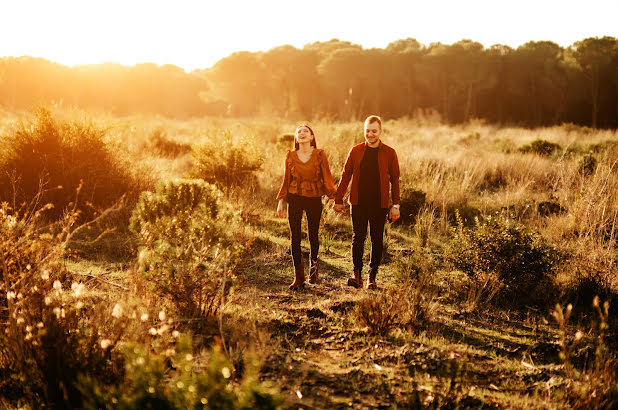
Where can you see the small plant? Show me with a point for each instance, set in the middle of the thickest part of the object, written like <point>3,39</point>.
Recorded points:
<point>285,141</point>
<point>183,258</point>
<point>521,259</point>
<point>596,385</point>
<point>227,162</point>
<point>425,225</point>
<point>412,201</point>
<point>176,379</point>
<point>587,164</point>
<point>541,147</point>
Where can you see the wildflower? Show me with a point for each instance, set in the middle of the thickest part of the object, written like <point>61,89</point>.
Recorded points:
<point>35,288</point>
<point>151,390</point>
<point>161,315</point>
<point>170,352</point>
<point>579,334</point>
<point>153,331</point>
<point>162,329</point>
<point>45,275</point>
<point>57,285</point>
<point>175,333</point>
<point>105,343</point>
<point>28,328</point>
<point>20,320</point>
<point>204,401</point>
<point>10,295</point>
<point>192,389</point>
<point>28,267</point>
<point>595,301</point>
<point>226,372</point>
<point>47,300</point>
<point>188,357</point>
<point>144,317</point>
<point>180,384</point>
<point>117,311</point>
<point>40,325</point>
<point>57,312</point>
<point>20,295</point>
<point>79,305</point>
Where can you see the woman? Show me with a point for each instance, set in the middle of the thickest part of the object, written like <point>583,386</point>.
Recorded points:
<point>307,177</point>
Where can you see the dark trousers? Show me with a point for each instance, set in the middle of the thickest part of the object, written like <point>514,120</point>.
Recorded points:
<point>313,208</point>
<point>375,218</point>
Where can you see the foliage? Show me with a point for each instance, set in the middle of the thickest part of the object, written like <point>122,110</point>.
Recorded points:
<point>587,164</point>
<point>541,147</point>
<point>227,162</point>
<point>523,262</point>
<point>182,227</point>
<point>412,201</point>
<point>49,331</point>
<point>285,141</point>
<point>175,379</point>
<point>46,160</point>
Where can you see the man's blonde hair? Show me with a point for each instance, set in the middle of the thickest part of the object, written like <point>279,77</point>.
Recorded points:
<point>373,118</point>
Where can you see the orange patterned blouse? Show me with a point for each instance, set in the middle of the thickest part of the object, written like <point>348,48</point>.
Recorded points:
<point>312,178</point>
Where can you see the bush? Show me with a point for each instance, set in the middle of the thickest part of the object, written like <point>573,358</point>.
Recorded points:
<point>45,161</point>
<point>227,163</point>
<point>521,259</point>
<point>587,164</point>
<point>285,141</point>
<point>175,379</point>
<point>412,201</point>
<point>541,147</point>
<point>182,227</point>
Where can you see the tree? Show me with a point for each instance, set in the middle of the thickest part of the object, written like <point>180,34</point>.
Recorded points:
<point>595,57</point>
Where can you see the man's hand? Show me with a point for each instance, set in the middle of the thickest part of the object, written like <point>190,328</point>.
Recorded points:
<point>339,208</point>
<point>280,209</point>
<point>394,214</point>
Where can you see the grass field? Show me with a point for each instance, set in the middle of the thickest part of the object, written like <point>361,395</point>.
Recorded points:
<point>193,310</point>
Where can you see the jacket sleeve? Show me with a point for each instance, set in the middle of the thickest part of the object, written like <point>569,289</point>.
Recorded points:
<point>283,191</point>
<point>342,188</point>
<point>329,183</point>
<point>394,176</point>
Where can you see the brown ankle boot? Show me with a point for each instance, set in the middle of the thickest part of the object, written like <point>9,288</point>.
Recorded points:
<point>313,272</point>
<point>371,281</point>
<point>356,281</point>
<point>299,277</point>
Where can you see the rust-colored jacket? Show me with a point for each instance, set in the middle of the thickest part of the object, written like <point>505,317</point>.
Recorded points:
<point>388,165</point>
<point>312,178</point>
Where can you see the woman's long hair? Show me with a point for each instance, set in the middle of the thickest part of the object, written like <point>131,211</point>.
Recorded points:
<point>296,144</point>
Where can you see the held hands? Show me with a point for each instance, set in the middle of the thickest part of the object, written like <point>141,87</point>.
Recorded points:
<point>280,209</point>
<point>394,214</point>
<point>339,208</point>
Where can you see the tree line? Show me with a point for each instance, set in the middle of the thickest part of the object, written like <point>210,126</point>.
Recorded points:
<point>539,83</point>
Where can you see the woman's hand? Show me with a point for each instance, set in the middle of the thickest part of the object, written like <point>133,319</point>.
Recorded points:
<point>281,209</point>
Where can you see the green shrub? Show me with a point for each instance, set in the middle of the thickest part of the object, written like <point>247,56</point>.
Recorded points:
<point>587,164</point>
<point>541,147</point>
<point>46,160</point>
<point>521,259</point>
<point>285,141</point>
<point>182,227</point>
<point>227,163</point>
<point>175,379</point>
<point>412,201</point>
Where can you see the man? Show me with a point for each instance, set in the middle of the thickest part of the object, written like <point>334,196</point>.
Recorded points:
<point>372,167</point>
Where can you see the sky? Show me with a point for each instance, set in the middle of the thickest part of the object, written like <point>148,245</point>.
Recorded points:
<point>195,34</point>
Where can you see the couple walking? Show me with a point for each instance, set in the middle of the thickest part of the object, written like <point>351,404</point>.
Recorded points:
<point>373,169</point>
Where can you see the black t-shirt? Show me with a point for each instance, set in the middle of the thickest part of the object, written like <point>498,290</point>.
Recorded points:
<point>369,183</point>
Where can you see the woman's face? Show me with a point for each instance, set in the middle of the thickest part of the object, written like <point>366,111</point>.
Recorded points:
<point>303,135</point>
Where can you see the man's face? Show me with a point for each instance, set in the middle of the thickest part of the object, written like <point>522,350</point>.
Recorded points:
<point>372,134</point>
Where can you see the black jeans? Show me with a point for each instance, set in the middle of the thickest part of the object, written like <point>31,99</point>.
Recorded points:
<point>313,208</point>
<point>375,218</point>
